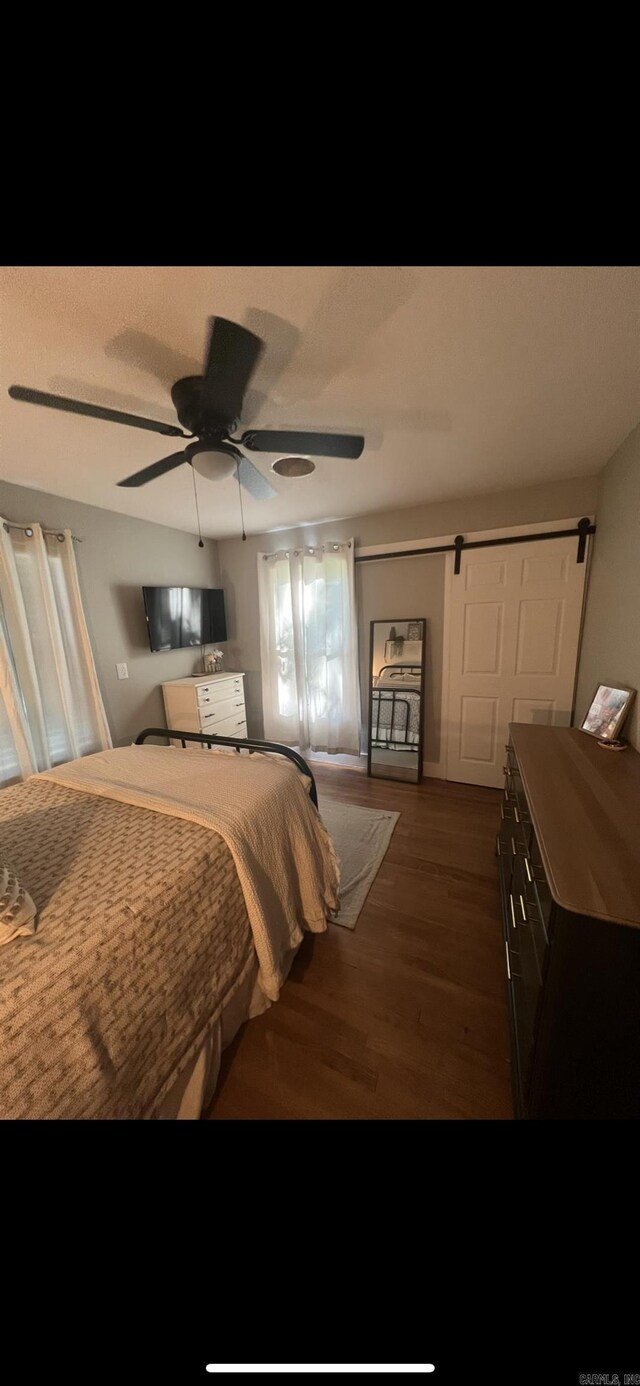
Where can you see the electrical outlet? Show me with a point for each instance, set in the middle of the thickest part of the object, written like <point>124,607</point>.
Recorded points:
<point>122,671</point>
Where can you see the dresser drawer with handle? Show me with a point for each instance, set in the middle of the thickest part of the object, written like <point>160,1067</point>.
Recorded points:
<point>209,693</point>
<point>231,726</point>
<point>523,973</point>
<point>219,712</point>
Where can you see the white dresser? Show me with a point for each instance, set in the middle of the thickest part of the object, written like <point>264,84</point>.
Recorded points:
<point>209,703</point>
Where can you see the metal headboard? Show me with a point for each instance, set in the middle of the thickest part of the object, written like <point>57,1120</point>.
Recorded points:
<point>401,668</point>
<point>240,744</point>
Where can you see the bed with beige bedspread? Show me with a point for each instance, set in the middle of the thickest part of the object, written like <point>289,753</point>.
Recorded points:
<point>160,876</point>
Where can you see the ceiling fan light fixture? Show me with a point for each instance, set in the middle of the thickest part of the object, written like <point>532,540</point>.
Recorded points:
<point>294,466</point>
<point>215,461</point>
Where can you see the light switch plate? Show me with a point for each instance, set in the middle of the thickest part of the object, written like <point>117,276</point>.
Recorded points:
<point>122,671</point>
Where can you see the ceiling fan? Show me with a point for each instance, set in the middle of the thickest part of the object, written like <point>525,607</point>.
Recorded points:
<point>209,407</point>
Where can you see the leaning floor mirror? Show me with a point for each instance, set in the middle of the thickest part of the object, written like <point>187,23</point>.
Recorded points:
<point>396,697</point>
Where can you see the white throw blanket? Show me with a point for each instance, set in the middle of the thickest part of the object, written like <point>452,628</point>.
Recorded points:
<point>283,854</point>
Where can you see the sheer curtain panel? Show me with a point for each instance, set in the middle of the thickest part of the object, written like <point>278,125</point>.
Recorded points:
<point>52,709</point>
<point>309,648</point>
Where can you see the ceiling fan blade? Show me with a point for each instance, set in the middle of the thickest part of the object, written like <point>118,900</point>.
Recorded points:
<point>156,469</point>
<point>94,411</point>
<point>232,356</point>
<point>254,482</point>
<point>310,444</point>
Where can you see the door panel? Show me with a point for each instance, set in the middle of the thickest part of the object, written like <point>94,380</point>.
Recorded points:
<point>513,645</point>
<point>480,574</point>
<point>478,729</point>
<point>539,634</point>
<point>482,637</point>
<point>545,568</point>
<point>535,710</point>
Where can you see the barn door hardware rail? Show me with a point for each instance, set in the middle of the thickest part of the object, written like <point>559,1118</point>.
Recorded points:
<point>582,529</point>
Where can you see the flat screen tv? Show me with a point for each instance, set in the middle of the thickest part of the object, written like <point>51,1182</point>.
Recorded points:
<point>178,617</point>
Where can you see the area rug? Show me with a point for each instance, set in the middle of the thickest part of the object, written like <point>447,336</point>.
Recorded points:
<point>361,837</point>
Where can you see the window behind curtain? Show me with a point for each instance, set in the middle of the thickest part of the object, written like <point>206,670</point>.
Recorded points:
<point>10,768</point>
<point>44,640</point>
<point>56,693</point>
<point>309,648</point>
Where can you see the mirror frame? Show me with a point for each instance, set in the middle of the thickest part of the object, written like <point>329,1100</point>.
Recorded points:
<point>398,779</point>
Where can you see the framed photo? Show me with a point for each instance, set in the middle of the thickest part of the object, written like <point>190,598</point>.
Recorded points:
<point>609,707</point>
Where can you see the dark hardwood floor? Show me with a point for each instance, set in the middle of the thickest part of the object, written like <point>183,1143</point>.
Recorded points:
<point>406,1016</point>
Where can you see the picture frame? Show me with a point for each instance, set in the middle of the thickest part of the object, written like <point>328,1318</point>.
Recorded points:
<point>608,711</point>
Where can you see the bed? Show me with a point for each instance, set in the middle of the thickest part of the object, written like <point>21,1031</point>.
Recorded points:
<point>396,707</point>
<point>165,920</point>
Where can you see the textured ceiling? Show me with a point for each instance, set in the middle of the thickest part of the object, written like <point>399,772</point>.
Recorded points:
<point>462,379</point>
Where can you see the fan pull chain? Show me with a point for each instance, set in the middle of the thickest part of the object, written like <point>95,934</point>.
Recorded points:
<point>193,473</point>
<point>240,495</point>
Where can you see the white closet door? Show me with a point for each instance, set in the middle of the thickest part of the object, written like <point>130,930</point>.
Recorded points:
<point>515,615</point>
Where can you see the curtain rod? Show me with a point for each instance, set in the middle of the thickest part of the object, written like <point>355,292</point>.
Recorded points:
<point>27,529</point>
<point>309,548</point>
<point>583,528</point>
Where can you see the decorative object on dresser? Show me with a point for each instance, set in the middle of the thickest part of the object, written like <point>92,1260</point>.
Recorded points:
<point>569,868</point>
<point>610,706</point>
<point>210,702</point>
<point>213,662</point>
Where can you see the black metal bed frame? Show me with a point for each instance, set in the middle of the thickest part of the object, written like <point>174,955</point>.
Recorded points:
<point>240,744</point>
<point>382,696</point>
<point>385,697</point>
<point>400,668</point>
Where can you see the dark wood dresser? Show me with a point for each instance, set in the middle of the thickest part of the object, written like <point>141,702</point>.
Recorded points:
<point>569,866</point>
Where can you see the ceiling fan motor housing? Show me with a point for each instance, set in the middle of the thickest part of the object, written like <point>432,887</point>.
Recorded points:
<point>186,395</point>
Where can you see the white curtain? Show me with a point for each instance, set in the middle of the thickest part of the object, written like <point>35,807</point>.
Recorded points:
<point>309,648</point>
<point>51,709</point>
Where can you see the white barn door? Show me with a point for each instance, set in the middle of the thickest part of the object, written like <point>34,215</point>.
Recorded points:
<point>514,628</point>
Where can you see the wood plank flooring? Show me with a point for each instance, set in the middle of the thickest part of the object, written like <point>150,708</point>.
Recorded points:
<point>406,1016</point>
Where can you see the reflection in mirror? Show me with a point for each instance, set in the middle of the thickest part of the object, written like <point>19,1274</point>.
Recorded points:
<point>396,699</point>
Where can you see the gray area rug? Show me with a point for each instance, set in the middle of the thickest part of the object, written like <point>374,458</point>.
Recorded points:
<point>361,837</point>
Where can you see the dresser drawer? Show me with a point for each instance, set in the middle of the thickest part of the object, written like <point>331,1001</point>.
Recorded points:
<point>209,693</point>
<point>512,837</point>
<point>212,713</point>
<point>524,973</point>
<point>232,726</point>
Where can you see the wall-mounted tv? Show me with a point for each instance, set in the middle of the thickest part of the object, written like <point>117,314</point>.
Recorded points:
<point>178,617</point>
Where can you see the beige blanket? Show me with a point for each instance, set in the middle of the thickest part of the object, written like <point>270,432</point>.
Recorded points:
<point>283,854</point>
<point>142,937</point>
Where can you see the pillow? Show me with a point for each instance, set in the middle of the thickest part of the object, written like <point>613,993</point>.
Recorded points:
<point>17,910</point>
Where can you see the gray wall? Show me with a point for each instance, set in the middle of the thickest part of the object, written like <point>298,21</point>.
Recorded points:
<point>611,638</point>
<point>404,587</point>
<point>396,591</point>
<point>118,556</point>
